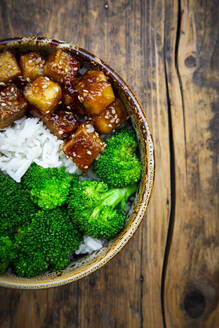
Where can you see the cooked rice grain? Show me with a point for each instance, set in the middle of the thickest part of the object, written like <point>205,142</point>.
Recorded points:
<point>29,141</point>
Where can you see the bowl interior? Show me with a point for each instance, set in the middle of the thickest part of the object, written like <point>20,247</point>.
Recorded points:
<point>86,264</point>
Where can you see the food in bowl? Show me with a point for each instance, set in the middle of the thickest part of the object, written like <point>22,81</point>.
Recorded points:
<point>68,157</point>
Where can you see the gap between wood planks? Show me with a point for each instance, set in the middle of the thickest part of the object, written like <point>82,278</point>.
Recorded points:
<point>172,158</point>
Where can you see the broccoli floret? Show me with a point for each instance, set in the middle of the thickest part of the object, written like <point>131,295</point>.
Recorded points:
<point>15,205</point>
<point>45,243</point>
<point>7,253</point>
<point>49,187</point>
<point>86,194</point>
<point>103,222</point>
<point>94,208</point>
<point>119,165</point>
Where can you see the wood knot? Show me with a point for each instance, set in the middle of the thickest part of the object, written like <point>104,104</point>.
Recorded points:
<point>190,62</point>
<point>200,298</point>
<point>194,304</point>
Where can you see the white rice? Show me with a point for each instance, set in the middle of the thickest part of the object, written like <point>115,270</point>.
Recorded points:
<point>29,141</point>
<point>89,245</point>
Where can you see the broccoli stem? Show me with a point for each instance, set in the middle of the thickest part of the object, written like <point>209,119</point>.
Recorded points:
<point>120,195</point>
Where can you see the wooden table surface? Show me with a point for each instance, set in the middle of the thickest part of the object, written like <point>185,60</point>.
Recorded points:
<point>168,274</point>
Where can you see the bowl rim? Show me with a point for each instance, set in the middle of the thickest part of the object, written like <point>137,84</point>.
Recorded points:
<point>147,177</point>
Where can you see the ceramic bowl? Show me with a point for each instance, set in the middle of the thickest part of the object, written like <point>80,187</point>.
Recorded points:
<point>85,265</point>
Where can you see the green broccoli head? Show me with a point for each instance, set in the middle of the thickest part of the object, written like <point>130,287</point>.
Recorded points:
<point>85,194</point>
<point>103,222</point>
<point>45,243</point>
<point>98,212</point>
<point>15,205</point>
<point>35,175</point>
<point>7,252</point>
<point>26,266</point>
<point>119,165</point>
<point>49,187</point>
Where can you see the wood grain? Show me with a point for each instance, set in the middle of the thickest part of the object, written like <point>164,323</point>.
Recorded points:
<point>192,276</point>
<point>124,292</point>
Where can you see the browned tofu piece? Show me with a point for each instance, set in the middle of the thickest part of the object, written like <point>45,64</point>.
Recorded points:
<point>114,115</point>
<point>61,123</point>
<point>61,66</point>
<point>84,146</point>
<point>12,105</point>
<point>44,94</point>
<point>70,98</point>
<point>34,111</point>
<point>95,92</point>
<point>73,104</point>
<point>9,69</point>
<point>32,65</point>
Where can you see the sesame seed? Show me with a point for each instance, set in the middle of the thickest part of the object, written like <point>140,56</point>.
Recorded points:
<point>61,132</point>
<point>59,102</point>
<point>37,60</point>
<point>117,121</point>
<point>113,111</point>
<point>44,86</point>
<point>75,69</point>
<point>89,152</point>
<point>81,99</point>
<point>89,128</point>
<point>86,167</point>
<point>110,125</point>
<point>3,104</point>
<point>69,107</point>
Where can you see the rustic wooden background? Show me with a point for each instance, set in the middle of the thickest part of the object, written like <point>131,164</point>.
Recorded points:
<point>168,275</point>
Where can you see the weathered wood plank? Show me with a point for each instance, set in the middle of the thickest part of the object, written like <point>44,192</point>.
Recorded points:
<point>192,277</point>
<point>157,220</point>
<point>129,35</point>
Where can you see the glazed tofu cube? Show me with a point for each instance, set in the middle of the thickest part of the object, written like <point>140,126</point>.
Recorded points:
<point>12,105</point>
<point>70,99</point>
<point>95,92</point>
<point>35,111</point>
<point>32,65</point>
<point>61,66</point>
<point>114,115</point>
<point>61,123</point>
<point>84,146</point>
<point>44,94</point>
<point>73,104</point>
<point>9,69</point>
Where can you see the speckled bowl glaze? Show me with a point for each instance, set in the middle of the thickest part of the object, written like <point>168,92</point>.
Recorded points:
<point>90,263</point>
